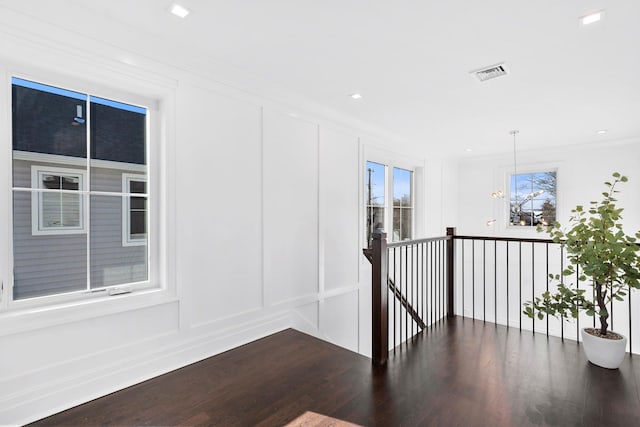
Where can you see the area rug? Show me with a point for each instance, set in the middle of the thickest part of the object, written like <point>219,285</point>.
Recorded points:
<point>311,419</point>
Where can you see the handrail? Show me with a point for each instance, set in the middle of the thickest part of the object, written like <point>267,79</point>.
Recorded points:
<point>504,239</point>
<point>401,243</point>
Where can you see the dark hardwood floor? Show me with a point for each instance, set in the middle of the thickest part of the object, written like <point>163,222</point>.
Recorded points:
<point>458,373</point>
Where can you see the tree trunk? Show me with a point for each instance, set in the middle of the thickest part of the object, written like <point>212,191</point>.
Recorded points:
<point>604,314</point>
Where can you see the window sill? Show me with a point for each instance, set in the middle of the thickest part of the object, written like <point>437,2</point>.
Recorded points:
<point>19,320</point>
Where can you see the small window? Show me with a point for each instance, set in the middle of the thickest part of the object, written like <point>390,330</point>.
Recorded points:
<point>532,199</point>
<point>385,183</point>
<point>134,210</point>
<point>56,204</point>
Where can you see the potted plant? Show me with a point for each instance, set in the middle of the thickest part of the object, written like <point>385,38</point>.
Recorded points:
<point>606,256</point>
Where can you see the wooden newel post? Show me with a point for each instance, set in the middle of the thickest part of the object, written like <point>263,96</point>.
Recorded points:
<point>451,231</point>
<point>379,296</point>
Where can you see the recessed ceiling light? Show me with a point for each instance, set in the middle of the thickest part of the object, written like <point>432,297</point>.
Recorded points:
<point>591,18</point>
<point>180,11</point>
<point>602,131</point>
<point>355,96</point>
<point>468,150</point>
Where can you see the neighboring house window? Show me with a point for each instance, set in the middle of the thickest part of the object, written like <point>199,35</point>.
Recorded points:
<point>56,205</point>
<point>532,198</point>
<point>134,210</point>
<point>71,151</point>
<point>386,183</point>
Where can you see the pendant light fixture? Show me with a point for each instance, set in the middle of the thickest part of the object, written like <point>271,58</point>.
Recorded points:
<point>516,204</point>
<point>499,194</point>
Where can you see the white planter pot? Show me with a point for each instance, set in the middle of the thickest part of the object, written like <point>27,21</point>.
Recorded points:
<point>604,352</point>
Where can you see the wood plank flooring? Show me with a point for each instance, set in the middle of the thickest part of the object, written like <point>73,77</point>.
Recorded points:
<point>458,373</point>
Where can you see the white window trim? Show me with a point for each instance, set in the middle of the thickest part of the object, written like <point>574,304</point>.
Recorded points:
<point>390,164</point>
<point>502,180</point>
<point>392,207</point>
<point>37,227</point>
<point>526,171</point>
<point>126,206</point>
<point>142,87</point>
<point>161,274</point>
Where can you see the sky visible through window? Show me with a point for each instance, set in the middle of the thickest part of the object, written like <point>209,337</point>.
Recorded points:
<point>75,95</point>
<point>376,172</point>
<point>377,203</point>
<point>375,184</point>
<point>532,198</point>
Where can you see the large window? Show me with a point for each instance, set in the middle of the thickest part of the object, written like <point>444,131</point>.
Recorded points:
<point>532,199</point>
<point>386,183</point>
<point>80,194</point>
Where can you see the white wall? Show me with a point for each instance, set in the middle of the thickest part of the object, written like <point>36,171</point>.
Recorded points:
<point>581,173</point>
<point>263,231</point>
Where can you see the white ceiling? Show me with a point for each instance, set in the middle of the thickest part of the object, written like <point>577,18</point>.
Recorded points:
<point>409,59</point>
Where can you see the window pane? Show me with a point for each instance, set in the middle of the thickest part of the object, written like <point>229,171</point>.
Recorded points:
<point>138,224</point>
<point>48,123</point>
<point>138,203</point>
<point>118,134</point>
<point>60,210</point>
<point>137,186</point>
<point>50,159</point>
<point>532,199</point>
<point>375,197</point>
<point>111,262</point>
<point>45,264</point>
<point>403,203</point>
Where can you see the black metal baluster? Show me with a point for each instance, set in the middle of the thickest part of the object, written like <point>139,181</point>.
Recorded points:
<point>395,299</point>
<point>561,282</point>
<point>495,282</point>
<point>422,282</point>
<point>630,331</point>
<point>443,277</point>
<point>440,288</point>
<point>473,279</point>
<point>406,293</point>
<point>462,276</point>
<point>533,284</point>
<point>547,288</point>
<point>577,318</point>
<point>434,276</point>
<point>611,327</point>
<point>520,281</point>
<point>484,281</point>
<point>431,278</point>
<point>387,291</point>
<point>507,249</point>
<point>437,281</point>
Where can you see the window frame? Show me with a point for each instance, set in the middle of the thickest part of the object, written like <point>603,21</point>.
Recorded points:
<point>160,284</point>
<point>527,170</point>
<point>390,164</point>
<point>37,215</point>
<point>127,178</point>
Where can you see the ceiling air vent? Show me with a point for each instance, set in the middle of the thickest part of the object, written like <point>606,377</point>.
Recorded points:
<point>491,72</point>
